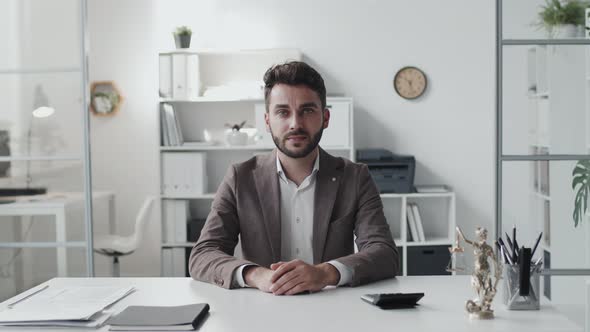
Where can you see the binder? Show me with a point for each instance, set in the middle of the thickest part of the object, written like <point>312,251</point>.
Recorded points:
<point>167,263</point>
<point>412,223</point>
<point>418,219</point>
<point>184,173</point>
<point>185,76</point>
<point>169,214</point>
<point>167,318</point>
<point>165,66</point>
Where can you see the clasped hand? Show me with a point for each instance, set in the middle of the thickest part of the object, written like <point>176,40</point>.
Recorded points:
<point>288,278</point>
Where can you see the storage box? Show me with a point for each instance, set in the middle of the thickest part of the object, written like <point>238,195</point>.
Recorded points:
<point>428,260</point>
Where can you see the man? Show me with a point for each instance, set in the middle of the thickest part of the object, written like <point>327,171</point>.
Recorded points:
<point>296,209</point>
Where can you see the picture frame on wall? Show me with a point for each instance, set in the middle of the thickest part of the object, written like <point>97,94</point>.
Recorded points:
<point>105,98</point>
<point>4,152</point>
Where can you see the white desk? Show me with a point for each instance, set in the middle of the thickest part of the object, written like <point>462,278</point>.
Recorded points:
<point>55,204</point>
<point>340,309</point>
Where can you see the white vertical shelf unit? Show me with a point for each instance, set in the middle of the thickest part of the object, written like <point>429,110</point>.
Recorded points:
<point>555,82</point>
<point>439,228</point>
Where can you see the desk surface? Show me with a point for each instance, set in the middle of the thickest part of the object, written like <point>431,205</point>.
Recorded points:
<point>337,309</point>
<point>52,200</point>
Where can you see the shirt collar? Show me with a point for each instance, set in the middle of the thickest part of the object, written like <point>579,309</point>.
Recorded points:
<point>281,173</point>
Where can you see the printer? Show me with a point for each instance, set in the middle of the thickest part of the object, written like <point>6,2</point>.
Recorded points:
<point>392,173</point>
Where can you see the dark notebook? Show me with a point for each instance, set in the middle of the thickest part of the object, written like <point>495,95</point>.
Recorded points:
<point>144,318</point>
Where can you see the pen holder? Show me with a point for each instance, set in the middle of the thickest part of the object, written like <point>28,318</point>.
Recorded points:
<point>518,293</point>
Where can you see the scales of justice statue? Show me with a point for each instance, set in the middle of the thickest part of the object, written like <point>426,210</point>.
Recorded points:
<point>482,280</point>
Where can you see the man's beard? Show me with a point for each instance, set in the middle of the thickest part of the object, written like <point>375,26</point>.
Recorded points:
<point>313,143</point>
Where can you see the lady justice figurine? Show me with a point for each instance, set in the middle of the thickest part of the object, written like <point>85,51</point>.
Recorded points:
<point>481,279</point>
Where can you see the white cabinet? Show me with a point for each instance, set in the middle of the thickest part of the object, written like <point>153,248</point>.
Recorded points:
<point>437,215</point>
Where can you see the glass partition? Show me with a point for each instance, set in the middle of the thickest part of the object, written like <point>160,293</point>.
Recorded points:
<point>43,174</point>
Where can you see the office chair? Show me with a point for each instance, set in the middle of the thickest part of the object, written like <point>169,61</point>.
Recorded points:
<point>116,246</point>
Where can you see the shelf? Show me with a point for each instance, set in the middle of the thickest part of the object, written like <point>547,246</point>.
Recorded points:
<point>540,95</point>
<point>522,42</point>
<point>540,145</point>
<point>56,70</point>
<point>43,245</point>
<point>178,245</point>
<point>234,148</point>
<point>212,100</point>
<point>199,196</point>
<point>431,242</point>
<point>558,157</point>
<point>417,195</point>
<point>541,196</point>
<point>41,158</point>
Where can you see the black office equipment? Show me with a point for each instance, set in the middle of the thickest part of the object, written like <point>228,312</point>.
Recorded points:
<point>22,191</point>
<point>393,300</point>
<point>392,173</point>
<point>149,318</point>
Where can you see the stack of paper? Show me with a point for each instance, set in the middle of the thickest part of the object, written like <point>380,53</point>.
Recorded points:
<point>82,306</point>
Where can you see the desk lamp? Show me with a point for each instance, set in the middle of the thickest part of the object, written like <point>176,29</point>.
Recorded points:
<point>41,109</point>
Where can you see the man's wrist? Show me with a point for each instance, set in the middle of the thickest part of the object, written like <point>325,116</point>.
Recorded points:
<point>250,272</point>
<point>331,274</point>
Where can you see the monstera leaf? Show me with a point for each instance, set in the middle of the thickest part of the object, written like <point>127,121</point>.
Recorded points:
<point>581,180</point>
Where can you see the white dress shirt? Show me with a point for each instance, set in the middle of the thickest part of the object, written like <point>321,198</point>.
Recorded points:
<point>297,206</point>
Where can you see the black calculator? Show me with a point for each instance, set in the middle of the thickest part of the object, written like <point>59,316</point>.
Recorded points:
<point>393,300</point>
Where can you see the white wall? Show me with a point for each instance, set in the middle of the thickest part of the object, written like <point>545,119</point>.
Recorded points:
<point>357,46</point>
<point>125,146</point>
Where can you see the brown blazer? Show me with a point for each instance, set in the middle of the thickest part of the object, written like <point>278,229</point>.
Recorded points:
<point>347,202</point>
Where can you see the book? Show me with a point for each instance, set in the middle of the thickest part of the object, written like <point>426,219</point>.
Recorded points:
<point>178,131</point>
<point>412,223</point>
<point>418,220</point>
<point>152,318</point>
<point>172,125</point>
<point>165,141</point>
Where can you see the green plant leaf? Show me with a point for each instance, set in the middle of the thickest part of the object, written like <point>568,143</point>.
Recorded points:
<point>581,183</point>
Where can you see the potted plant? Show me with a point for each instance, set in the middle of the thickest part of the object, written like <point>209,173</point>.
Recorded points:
<point>563,20</point>
<point>182,37</point>
<point>234,136</point>
<point>581,180</point>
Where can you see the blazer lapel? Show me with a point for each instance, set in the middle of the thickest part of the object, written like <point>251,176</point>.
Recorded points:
<point>267,187</point>
<point>328,180</point>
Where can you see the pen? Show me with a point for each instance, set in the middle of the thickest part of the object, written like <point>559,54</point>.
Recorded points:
<point>536,244</point>
<point>505,251</point>
<point>514,235</point>
<point>509,243</point>
<point>514,243</point>
<point>11,305</point>
<point>512,251</point>
<point>500,250</point>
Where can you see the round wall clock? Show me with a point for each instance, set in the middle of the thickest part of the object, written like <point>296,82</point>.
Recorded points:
<point>410,82</point>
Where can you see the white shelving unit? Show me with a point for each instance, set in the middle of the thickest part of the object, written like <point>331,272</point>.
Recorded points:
<point>438,216</point>
<point>204,113</point>
<point>558,117</point>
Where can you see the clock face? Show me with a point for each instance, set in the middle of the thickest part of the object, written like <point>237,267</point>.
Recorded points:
<point>410,82</point>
